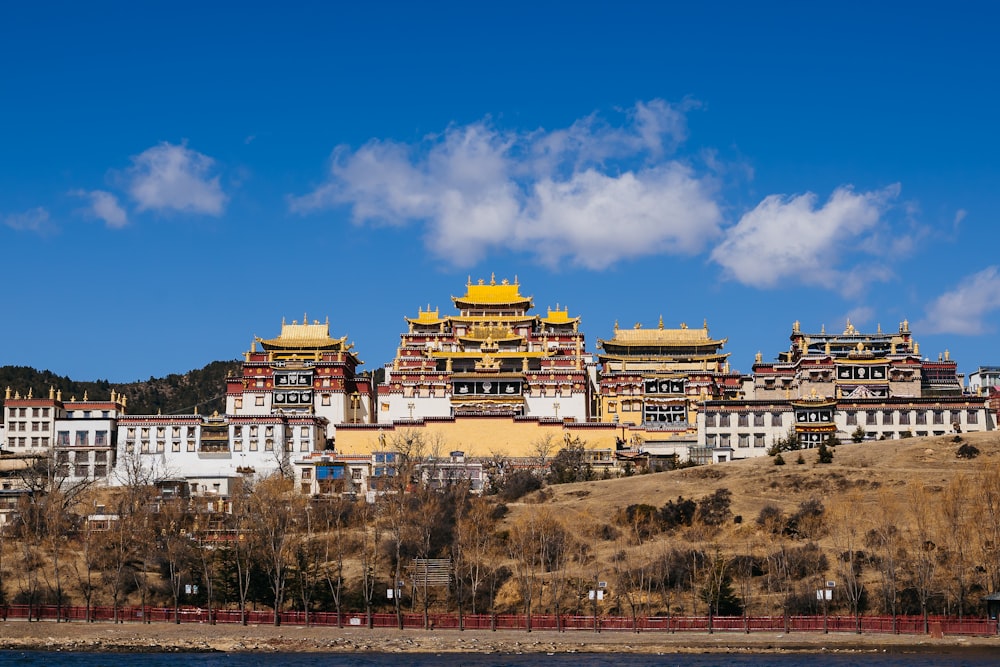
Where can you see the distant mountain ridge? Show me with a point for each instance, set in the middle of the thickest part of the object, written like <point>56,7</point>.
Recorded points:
<point>203,389</point>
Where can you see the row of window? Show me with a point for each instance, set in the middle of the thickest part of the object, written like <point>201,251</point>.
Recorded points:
<point>743,418</point>
<point>83,470</point>
<point>23,442</point>
<point>82,457</point>
<point>23,412</point>
<point>23,426</point>
<point>742,440</point>
<point>82,439</point>
<point>888,417</point>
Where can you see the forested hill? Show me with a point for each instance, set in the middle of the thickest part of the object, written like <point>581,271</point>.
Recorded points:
<point>202,388</point>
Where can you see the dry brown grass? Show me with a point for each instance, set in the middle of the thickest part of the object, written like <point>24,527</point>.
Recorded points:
<point>857,475</point>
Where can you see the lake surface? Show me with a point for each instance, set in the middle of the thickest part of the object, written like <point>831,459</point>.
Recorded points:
<point>958,658</point>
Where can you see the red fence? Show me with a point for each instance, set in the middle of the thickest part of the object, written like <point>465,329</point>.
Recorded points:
<point>913,625</point>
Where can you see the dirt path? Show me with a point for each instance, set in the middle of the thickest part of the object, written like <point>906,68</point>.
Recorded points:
<point>167,637</point>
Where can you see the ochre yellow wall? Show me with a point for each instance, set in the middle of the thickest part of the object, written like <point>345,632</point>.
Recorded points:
<point>479,436</point>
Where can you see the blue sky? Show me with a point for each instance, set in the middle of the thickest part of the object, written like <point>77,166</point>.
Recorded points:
<point>175,178</point>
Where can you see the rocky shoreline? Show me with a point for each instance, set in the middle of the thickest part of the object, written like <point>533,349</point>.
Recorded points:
<point>169,638</point>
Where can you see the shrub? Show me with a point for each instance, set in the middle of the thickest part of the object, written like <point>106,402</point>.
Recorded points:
<point>859,434</point>
<point>824,454</point>
<point>801,460</point>
<point>713,510</point>
<point>518,484</point>
<point>779,460</point>
<point>807,520</point>
<point>679,513</point>
<point>967,451</point>
<point>771,518</point>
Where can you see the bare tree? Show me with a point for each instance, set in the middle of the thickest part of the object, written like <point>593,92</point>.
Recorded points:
<point>883,541</point>
<point>923,556</point>
<point>274,506</point>
<point>848,536</point>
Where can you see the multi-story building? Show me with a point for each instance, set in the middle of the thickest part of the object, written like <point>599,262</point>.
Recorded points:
<point>207,450</point>
<point>78,434</point>
<point>850,385</point>
<point>653,382</point>
<point>302,371</point>
<point>493,357</point>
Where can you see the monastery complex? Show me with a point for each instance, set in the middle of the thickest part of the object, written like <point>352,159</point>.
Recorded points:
<point>495,380</point>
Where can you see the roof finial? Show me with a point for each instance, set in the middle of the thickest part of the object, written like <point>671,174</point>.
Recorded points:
<point>493,278</point>
<point>305,319</point>
<point>85,395</point>
<point>468,283</point>
<point>704,324</point>
<point>616,325</point>
<point>515,279</point>
<point>30,390</point>
<point>7,393</point>
<point>52,392</point>
<point>661,322</point>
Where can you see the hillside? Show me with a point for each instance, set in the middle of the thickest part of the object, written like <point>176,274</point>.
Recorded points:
<point>858,468</point>
<point>202,388</point>
<point>904,523</point>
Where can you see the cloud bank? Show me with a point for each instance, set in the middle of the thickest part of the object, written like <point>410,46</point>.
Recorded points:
<point>591,194</point>
<point>964,309</point>
<point>104,206</point>
<point>32,220</point>
<point>795,239</point>
<point>174,177</point>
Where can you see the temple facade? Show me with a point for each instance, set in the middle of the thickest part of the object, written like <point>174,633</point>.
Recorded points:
<point>492,357</point>
<point>302,371</point>
<point>849,385</point>
<point>654,379</point>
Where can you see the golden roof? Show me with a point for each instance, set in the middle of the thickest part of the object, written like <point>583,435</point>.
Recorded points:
<point>303,335</point>
<point>662,336</point>
<point>559,316</point>
<point>426,316</point>
<point>492,293</point>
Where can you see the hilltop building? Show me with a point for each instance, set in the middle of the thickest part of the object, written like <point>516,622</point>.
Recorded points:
<point>492,357</point>
<point>850,384</point>
<point>492,376</point>
<point>78,434</point>
<point>653,382</point>
<point>302,371</point>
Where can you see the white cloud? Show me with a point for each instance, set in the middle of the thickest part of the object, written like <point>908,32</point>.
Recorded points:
<point>960,215</point>
<point>792,238</point>
<point>104,206</point>
<point>32,220</point>
<point>964,309</point>
<point>592,193</point>
<point>174,177</point>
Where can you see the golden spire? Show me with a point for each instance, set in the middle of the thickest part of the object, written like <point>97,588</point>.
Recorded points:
<point>947,355</point>
<point>493,279</point>
<point>58,394</point>
<point>7,394</point>
<point>661,322</point>
<point>85,395</point>
<point>616,325</point>
<point>758,357</point>
<point>30,390</point>
<point>879,328</point>
<point>822,329</point>
<point>52,392</point>
<point>469,282</point>
<point>704,324</point>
